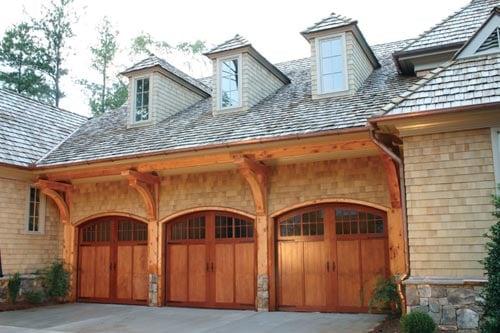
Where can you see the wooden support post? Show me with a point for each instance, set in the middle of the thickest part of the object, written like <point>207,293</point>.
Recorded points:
<point>256,175</point>
<point>148,186</point>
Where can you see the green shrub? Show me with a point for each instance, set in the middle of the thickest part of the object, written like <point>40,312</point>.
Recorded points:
<point>491,293</point>
<point>34,297</point>
<point>13,286</point>
<point>385,296</point>
<point>55,280</point>
<point>417,322</point>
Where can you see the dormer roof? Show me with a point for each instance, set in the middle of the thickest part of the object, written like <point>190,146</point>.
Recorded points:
<point>331,22</point>
<point>236,42</point>
<point>240,43</point>
<point>154,61</point>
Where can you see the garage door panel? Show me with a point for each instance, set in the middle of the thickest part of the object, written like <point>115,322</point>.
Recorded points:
<point>315,279</point>
<point>245,273</point>
<point>140,273</point>
<point>197,276</point>
<point>374,265</point>
<point>102,273</point>
<point>124,272</point>
<point>224,273</point>
<point>178,273</point>
<point>291,273</point>
<point>87,271</point>
<point>349,280</point>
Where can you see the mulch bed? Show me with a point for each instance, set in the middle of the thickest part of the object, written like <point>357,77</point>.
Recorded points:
<point>23,305</point>
<point>390,325</point>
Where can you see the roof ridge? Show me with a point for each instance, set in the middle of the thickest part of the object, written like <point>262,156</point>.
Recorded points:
<point>30,99</point>
<point>346,20</point>
<point>435,26</point>
<point>420,83</point>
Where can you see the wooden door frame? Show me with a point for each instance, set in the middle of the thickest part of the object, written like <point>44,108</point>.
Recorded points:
<point>274,291</point>
<point>209,214</point>
<point>113,246</point>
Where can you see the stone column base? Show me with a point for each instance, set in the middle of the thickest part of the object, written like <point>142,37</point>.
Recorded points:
<point>454,304</point>
<point>153,290</point>
<point>262,299</point>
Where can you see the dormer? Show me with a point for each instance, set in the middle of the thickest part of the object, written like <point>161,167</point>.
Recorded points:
<point>486,40</point>
<point>341,59</point>
<point>242,77</point>
<point>158,90</point>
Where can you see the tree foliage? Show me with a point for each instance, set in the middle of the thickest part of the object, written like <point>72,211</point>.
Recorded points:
<point>491,293</point>
<point>23,59</point>
<point>105,96</point>
<point>56,27</point>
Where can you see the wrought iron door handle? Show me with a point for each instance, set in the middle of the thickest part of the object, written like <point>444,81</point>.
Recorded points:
<point>212,267</point>
<point>333,266</point>
<point>208,268</point>
<point>327,266</point>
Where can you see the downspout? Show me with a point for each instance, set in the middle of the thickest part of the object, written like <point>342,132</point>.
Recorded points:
<point>402,189</point>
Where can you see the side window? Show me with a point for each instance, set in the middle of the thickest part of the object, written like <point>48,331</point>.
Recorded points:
<point>495,141</point>
<point>141,100</point>
<point>36,211</point>
<point>331,64</point>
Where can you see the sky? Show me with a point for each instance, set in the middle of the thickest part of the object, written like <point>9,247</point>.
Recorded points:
<point>272,26</point>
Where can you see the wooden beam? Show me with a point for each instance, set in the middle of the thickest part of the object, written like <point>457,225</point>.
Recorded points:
<point>145,185</point>
<point>143,177</point>
<point>53,190</point>
<point>392,179</point>
<point>214,159</point>
<point>255,173</point>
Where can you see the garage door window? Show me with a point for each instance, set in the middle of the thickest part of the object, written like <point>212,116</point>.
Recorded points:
<point>353,222</point>
<point>192,228</point>
<point>232,227</point>
<point>132,231</point>
<point>306,224</point>
<point>97,232</point>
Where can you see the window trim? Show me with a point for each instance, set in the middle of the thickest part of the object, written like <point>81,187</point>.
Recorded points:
<point>219,80</point>
<point>134,95</point>
<point>319,84</point>
<point>41,213</point>
<point>495,145</point>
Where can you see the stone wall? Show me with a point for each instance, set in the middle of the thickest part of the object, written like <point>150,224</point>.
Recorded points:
<point>29,283</point>
<point>454,306</point>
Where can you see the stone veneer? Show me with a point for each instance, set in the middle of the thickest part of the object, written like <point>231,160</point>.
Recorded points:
<point>454,305</point>
<point>29,283</point>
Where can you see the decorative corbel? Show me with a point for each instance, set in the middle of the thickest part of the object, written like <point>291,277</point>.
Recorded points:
<point>392,179</point>
<point>146,185</point>
<point>256,175</point>
<point>59,193</point>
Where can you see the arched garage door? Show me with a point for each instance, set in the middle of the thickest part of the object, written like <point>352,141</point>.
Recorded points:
<point>112,259</point>
<point>210,260</point>
<point>330,257</point>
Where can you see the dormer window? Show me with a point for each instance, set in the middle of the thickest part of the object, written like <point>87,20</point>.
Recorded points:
<point>332,64</point>
<point>230,82</point>
<point>141,99</point>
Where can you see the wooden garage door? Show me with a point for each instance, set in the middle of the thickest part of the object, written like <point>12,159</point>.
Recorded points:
<point>330,257</point>
<point>211,261</point>
<point>113,261</point>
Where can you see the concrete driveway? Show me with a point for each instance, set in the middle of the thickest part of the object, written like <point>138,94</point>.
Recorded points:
<point>127,318</point>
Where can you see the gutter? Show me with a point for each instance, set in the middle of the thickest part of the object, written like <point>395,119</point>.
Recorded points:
<point>402,189</point>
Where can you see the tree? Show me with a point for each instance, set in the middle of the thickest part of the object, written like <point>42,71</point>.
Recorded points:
<point>56,26</point>
<point>144,44</point>
<point>104,97</point>
<point>491,293</point>
<point>23,58</point>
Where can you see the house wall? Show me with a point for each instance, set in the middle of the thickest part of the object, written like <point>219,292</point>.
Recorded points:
<point>449,183</point>
<point>20,251</point>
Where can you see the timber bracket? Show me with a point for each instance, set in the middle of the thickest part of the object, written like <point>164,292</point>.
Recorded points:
<point>256,175</point>
<point>392,179</point>
<point>60,193</point>
<point>147,185</point>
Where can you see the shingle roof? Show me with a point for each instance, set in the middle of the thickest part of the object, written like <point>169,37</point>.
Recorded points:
<point>456,28</point>
<point>330,22</point>
<point>289,111</point>
<point>234,43</point>
<point>153,61</point>
<point>30,129</point>
<point>460,83</point>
